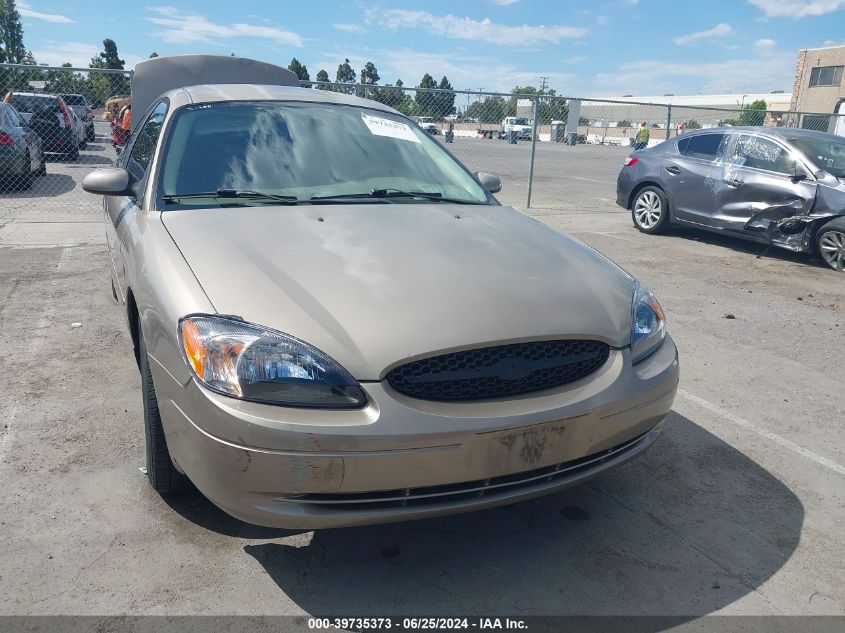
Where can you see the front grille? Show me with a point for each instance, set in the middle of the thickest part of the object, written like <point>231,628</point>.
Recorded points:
<point>466,490</point>
<point>503,370</point>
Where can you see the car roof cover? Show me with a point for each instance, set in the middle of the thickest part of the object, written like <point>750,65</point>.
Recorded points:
<point>153,77</point>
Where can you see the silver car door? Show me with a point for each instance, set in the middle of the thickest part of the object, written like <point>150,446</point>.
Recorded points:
<point>762,182</point>
<point>690,176</point>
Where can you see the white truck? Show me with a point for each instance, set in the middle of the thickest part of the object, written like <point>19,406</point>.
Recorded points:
<point>521,126</point>
<point>427,123</point>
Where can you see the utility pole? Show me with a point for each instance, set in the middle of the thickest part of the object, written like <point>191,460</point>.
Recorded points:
<point>543,84</point>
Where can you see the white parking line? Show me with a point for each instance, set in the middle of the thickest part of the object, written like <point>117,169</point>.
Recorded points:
<point>782,441</point>
<point>47,317</point>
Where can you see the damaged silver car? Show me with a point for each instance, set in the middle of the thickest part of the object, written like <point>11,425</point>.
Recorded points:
<point>782,187</point>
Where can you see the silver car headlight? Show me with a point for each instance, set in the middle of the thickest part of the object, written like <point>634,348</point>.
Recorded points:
<point>648,323</point>
<point>255,363</point>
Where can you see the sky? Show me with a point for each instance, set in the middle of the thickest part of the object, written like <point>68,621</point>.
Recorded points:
<point>583,48</point>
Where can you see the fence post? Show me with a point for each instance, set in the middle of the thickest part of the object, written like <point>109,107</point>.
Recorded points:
<point>798,121</point>
<point>668,120</point>
<point>533,150</point>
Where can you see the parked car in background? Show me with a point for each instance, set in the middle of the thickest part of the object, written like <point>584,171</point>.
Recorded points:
<point>21,150</point>
<point>78,129</point>
<point>79,104</point>
<point>308,329</point>
<point>779,186</point>
<point>50,118</point>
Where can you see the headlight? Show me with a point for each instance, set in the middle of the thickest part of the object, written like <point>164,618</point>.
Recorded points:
<point>254,363</point>
<point>648,323</point>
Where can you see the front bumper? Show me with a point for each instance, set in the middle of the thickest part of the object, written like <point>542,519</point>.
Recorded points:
<point>400,459</point>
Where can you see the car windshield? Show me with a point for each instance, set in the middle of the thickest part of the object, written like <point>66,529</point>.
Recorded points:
<point>306,151</point>
<point>827,153</point>
<point>34,103</point>
<point>74,100</point>
<point>521,122</point>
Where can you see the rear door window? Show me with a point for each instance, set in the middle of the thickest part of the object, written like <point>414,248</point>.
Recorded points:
<point>703,146</point>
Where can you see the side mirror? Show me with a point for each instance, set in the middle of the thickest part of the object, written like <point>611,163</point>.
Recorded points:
<point>798,173</point>
<point>107,181</point>
<point>490,182</point>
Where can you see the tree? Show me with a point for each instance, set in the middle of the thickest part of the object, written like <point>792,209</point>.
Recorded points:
<point>692,124</point>
<point>369,74</point>
<point>424,98</point>
<point>153,54</point>
<point>299,69</point>
<point>345,75</point>
<point>753,114</point>
<point>109,58</point>
<point>490,110</point>
<point>322,75</point>
<point>623,123</point>
<point>12,50</point>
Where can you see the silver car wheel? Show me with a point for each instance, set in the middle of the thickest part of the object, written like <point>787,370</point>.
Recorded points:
<point>832,247</point>
<point>648,209</point>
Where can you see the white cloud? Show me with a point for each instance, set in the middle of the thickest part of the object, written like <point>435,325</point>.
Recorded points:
<point>765,44</point>
<point>186,28</point>
<point>720,30</point>
<point>475,30</point>
<point>575,59</point>
<point>77,53</point>
<point>754,74</point>
<point>602,20</point>
<point>28,12</point>
<point>505,3</point>
<point>796,8</point>
<point>468,73</point>
<point>349,28</point>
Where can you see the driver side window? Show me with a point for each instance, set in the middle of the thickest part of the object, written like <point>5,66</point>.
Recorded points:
<point>760,153</point>
<point>141,154</point>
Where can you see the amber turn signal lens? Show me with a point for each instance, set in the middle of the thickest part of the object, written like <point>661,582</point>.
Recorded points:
<point>194,348</point>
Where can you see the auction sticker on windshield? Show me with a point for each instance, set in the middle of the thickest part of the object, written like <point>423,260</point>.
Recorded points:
<point>388,127</point>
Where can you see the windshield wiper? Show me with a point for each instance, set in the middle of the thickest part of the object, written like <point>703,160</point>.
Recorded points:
<point>232,193</point>
<point>396,193</point>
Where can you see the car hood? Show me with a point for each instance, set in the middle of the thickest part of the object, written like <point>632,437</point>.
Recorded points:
<point>374,285</point>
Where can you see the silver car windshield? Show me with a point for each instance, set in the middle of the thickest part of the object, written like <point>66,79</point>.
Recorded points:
<point>827,153</point>
<point>305,151</point>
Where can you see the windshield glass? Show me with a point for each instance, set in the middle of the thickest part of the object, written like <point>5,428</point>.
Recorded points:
<point>305,150</point>
<point>521,122</point>
<point>827,153</point>
<point>74,100</point>
<point>34,103</point>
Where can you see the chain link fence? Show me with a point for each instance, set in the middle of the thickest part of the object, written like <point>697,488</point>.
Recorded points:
<point>550,151</point>
<point>55,127</point>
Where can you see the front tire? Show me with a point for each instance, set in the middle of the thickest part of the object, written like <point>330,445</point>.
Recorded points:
<point>650,210</point>
<point>830,243</point>
<point>161,472</point>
